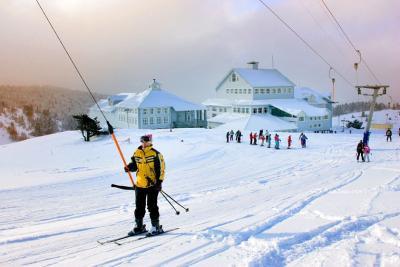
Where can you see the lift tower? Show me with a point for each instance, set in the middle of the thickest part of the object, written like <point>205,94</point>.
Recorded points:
<point>375,94</point>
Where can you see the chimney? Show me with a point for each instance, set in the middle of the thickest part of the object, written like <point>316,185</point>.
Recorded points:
<point>254,64</point>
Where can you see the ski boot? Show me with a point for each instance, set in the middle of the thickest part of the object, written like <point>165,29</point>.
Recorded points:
<point>138,229</point>
<point>156,228</point>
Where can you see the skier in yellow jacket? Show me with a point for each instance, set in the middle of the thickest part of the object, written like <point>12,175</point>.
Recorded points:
<point>149,166</point>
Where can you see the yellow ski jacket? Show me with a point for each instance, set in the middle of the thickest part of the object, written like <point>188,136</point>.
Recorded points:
<point>149,166</point>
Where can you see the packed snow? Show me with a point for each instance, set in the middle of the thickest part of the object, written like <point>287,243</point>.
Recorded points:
<point>249,205</point>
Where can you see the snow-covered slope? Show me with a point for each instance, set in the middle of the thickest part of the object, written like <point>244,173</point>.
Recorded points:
<point>388,116</point>
<point>249,205</point>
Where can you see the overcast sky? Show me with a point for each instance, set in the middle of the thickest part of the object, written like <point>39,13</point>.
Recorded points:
<point>190,45</point>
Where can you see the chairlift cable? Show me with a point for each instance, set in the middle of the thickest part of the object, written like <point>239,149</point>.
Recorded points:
<point>110,128</point>
<point>305,42</point>
<point>349,41</point>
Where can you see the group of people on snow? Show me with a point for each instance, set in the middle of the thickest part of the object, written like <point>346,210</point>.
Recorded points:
<point>363,150</point>
<point>238,136</point>
<point>266,138</point>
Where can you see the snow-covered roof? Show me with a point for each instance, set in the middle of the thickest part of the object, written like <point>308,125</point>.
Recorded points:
<point>252,122</point>
<point>292,106</point>
<point>155,97</point>
<point>306,92</point>
<point>263,77</point>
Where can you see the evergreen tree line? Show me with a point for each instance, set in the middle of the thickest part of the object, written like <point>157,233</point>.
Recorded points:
<point>361,106</point>
<point>45,109</point>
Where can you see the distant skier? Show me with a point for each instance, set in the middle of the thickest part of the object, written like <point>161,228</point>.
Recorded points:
<point>366,151</point>
<point>255,138</point>
<point>269,140</point>
<point>277,141</point>
<point>262,138</point>
<point>360,151</point>
<point>303,140</point>
<point>232,133</point>
<point>389,135</point>
<point>238,136</point>
<point>289,141</point>
<point>149,166</point>
<point>251,138</point>
<point>227,136</point>
<point>260,133</point>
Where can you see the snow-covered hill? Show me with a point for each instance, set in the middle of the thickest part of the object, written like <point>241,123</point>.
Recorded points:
<point>249,205</point>
<point>387,116</point>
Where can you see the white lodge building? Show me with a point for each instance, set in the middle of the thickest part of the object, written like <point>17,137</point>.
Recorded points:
<point>153,108</point>
<point>269,95</point>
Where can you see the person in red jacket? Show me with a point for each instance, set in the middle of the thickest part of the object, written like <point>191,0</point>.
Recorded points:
<point>251,138</point>
<point>289,141</point>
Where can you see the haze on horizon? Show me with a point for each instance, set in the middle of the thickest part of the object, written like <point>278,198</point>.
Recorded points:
<point>188,46</point>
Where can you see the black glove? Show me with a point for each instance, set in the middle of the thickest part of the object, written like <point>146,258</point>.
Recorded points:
<point>158,185</point>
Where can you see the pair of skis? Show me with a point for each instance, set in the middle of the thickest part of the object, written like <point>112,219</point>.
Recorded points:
<point>147,235</point>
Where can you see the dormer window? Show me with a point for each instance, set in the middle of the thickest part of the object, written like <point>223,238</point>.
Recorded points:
<point>234,77</point>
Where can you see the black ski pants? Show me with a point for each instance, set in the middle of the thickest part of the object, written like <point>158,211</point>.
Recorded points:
<point>358,155</point>
<point>151,194</point>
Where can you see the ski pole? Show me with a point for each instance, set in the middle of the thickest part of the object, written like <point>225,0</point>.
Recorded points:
<point>176,211</point>
<point>186,209</point>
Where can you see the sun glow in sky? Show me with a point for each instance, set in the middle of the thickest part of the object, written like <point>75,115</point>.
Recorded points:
<point>189,45</point>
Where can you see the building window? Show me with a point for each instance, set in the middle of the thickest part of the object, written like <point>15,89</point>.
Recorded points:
<point>256,91</point>
<point>144,111</point>
<point>236,91</point>
<point>151,120</point>
<point>214,108</point>
<point>326,117</point>
<point>267,90</point>
<point>240,91</point>
<point>166,110</point>
<point>220,109</point>
<point>265,110</point>
<point>247,110</point>
<point>260,110</point>
<point>301,118</point>
<point>158,110</point>
<point>289,90</point>
<point>144,121</point>
<point>319,118</point>
<point>135,121</point>
<point>165,119</point>
<point>273,91</point>
<point>249,91</point>
<point>243,110</point>
<point>158,120</point>
<point>227,91</point>
<point>213,115</point>
<point>224,109</point>
<point>234,110</point>
<point>262,91</point>
<point>234,77</point>
<point>254,110</point>
<point>279,90</point>
<point>231,91</point>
